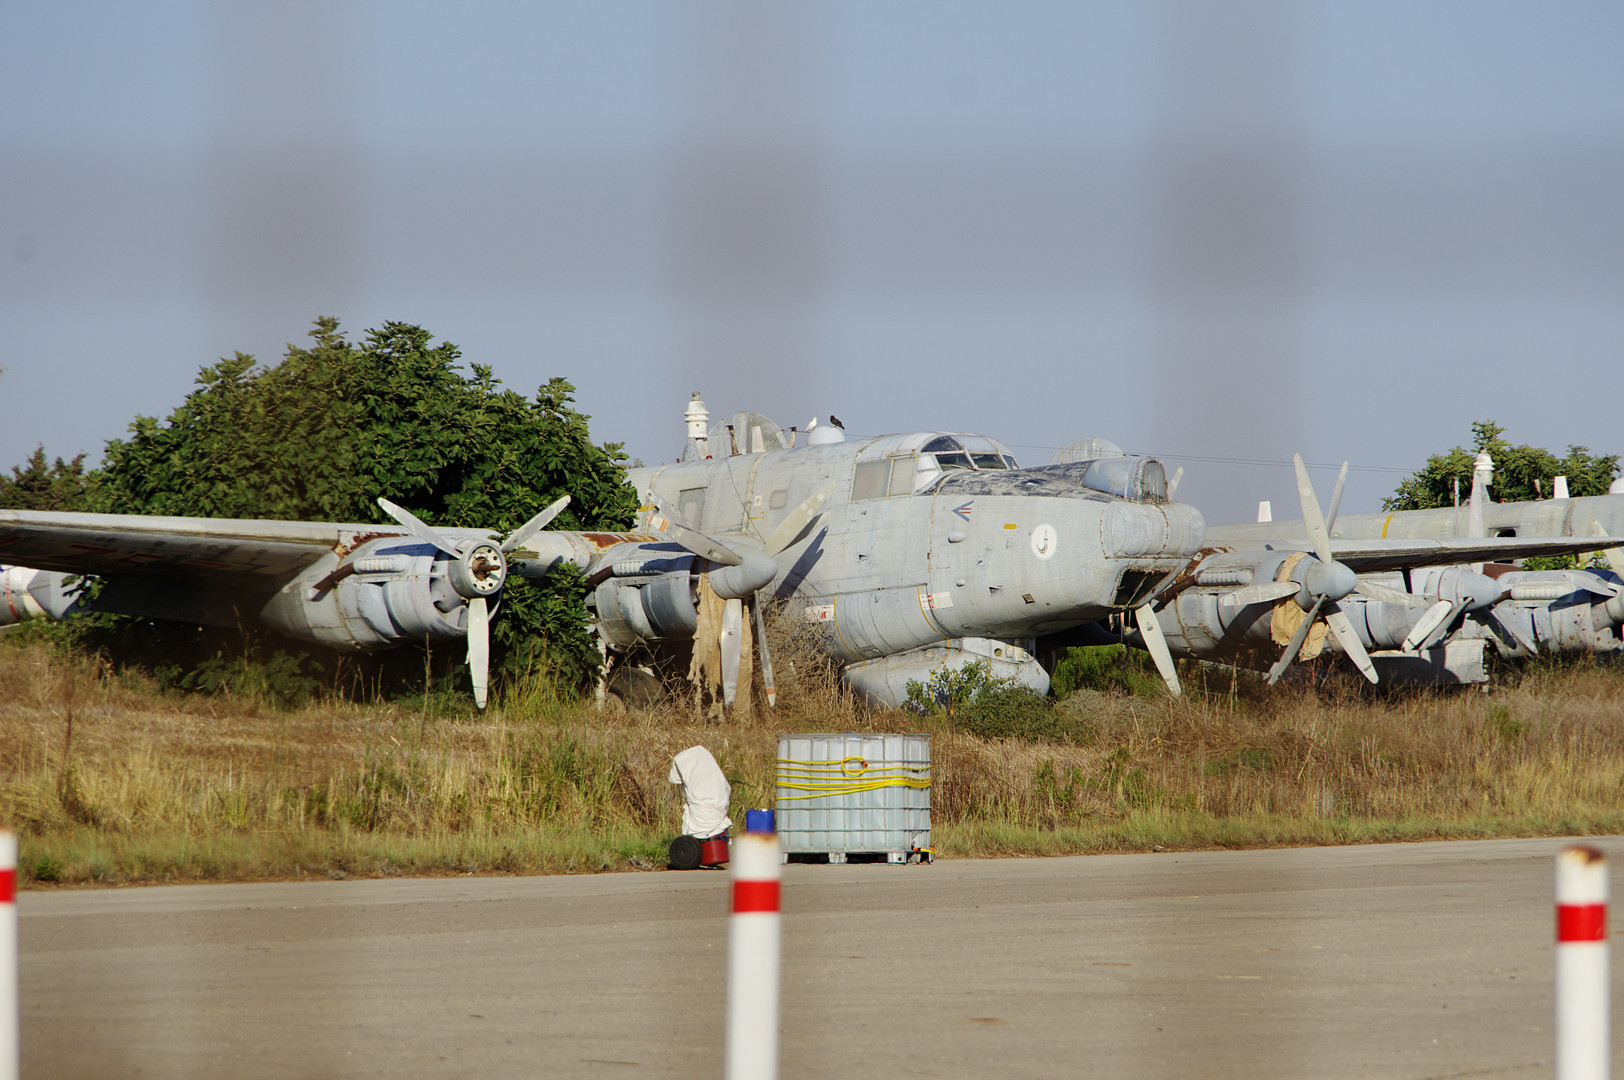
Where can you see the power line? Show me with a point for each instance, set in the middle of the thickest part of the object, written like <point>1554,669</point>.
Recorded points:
<point>1269,463</point>
<point>1263,462</point>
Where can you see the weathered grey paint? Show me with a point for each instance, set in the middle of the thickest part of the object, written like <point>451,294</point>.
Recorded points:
<point>996,554</point>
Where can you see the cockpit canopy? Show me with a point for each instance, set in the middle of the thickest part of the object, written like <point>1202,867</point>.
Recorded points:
<point>968,452</point>
<point>912,463</point>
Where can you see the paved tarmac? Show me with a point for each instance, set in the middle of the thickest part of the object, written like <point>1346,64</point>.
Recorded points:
<point>1412,960</point>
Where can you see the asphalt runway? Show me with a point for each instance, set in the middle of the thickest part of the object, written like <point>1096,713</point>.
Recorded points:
<point>1412,960</point>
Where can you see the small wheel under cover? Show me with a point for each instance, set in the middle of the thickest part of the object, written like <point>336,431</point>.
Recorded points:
<point>636,687</point>
<point>685,853</point>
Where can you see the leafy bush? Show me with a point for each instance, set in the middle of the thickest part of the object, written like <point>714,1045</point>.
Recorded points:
<point>280,679</point>
<point>973,700</point>
<point>320,436</point>
<point>1106,667</point>
<point>949,689</point>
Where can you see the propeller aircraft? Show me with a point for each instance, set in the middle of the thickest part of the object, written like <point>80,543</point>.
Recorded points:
<point>1448,616</point>
<point>1390,609</point>
<point>899,554</point>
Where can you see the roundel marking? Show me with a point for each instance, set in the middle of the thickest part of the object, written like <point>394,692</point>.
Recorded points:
<point>1044,541</point>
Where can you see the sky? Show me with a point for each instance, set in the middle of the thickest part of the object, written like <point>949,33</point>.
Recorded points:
<point>1219,233</point>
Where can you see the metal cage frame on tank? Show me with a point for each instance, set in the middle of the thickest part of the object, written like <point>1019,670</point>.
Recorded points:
<point>854,798</point>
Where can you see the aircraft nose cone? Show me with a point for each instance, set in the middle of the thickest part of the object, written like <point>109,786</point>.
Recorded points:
<point>1331,580</point>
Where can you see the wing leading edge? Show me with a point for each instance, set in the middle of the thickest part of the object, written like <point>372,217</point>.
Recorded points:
<point>221,551</point>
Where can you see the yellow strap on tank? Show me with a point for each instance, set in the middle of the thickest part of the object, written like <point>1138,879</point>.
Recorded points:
<point>849,776</point>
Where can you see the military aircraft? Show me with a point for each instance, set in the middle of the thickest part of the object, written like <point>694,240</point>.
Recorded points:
<point>1434,625</point>
<point>899,554</point>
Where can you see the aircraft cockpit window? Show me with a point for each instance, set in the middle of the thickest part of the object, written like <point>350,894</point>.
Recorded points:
<point>871,480</point>
<point>971,452</point>
<point>902,476</point>
<point>894,476</point>
<point>948,452</point>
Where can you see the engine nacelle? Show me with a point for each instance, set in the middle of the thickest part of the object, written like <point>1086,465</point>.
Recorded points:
<point>649,595</point>
<point>26,593</point>
<point>387,592</point>
<point>884,681</point>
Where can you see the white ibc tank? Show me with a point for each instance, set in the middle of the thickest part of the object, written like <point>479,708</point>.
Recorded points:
<point>854,794</point>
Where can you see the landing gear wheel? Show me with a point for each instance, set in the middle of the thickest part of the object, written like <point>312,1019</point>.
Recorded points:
<point>685,853</point>
<point>636,687</point>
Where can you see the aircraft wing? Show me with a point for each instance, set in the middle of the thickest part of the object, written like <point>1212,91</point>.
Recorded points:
<point>1374,556</point>
<point>235,553</point>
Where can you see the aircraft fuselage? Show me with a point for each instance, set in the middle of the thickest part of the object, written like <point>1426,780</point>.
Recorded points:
<point>905,555</point>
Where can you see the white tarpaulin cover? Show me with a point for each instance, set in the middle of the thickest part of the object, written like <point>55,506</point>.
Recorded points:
<point>706,790</point>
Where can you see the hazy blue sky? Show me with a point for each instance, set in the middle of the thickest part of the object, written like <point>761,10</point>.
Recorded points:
<point>1205,230</point>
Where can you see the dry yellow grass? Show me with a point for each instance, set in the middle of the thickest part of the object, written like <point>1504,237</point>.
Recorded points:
<point>108,781</point>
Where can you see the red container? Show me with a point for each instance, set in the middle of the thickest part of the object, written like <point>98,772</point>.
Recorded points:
<point>713,852</point>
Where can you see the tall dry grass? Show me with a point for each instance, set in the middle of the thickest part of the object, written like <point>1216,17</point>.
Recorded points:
<point>108,780</point>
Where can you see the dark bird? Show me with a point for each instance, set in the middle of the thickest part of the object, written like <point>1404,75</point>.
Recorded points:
<point>835,420</point>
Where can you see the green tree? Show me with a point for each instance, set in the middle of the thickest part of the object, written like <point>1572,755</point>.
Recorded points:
<point>336,424</point>
<point>36,485</point>
<point>1516,471</point>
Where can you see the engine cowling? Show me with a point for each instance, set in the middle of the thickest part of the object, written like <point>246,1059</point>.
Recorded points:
<point>26,593</point>
<point>648,595</point>
<point>387,592</point>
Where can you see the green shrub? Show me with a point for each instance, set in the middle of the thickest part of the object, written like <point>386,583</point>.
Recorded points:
<point>1106,667</point>
<point>971,699</point>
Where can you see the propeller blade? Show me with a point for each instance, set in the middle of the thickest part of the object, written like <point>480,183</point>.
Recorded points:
<point>1614,556</point>
<point>1267,592</point>
<point>1439,631</point>
<point>1509,625</point>
<point>1151,631</point>
<point>1336,498</point>
<point>1594,584</point>
<point>796,521</point>
<point>1297,640</point>
<point>1337,620</point>
<point>1384,593</point>
<point>419,528</point>
<point>766,657</point>
<point>1173,484</point>
<point>732,643</point>
<point>1313,520</point>
<point>669,524</point>
<point>1435,616</point>
<point>518,537</point>
<point>479,648</point>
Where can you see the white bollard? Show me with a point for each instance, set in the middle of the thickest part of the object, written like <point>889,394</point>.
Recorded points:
<point>9,1049</point>
<point>1582,1042</point>
<point>752,952</point>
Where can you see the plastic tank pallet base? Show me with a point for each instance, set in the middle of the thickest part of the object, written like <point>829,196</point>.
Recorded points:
<point>835,858</point>
<point>854,798</point>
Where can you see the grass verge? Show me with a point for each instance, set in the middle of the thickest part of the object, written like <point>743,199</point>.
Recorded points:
<point>110,781</point>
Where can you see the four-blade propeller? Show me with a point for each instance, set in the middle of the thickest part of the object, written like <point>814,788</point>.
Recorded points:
<point>478,569</point>
<point>1327,582</point>
<point>745,569</point>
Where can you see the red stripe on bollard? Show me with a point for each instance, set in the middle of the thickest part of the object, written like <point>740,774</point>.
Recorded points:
<point>1581,922</point>
<point>751,896</point>
<point>8,886</point>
